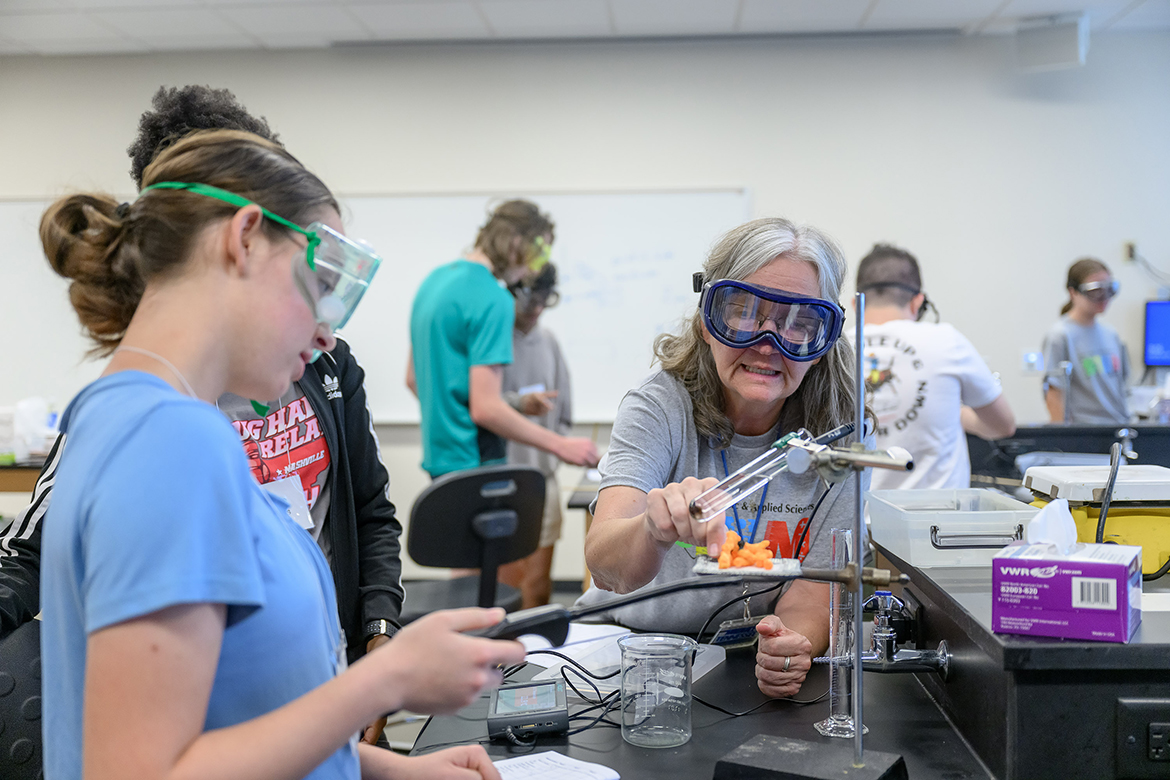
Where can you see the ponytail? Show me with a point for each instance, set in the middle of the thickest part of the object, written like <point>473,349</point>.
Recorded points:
<point>84,237</point>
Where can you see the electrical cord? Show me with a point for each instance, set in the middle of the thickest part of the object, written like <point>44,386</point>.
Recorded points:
<point>741,597</point>
<point>808,525</point>
<point>790,700</point>
<point>1115,457</point>
<point>1161,572</point>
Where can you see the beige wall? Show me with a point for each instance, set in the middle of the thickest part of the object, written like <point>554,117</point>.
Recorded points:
<point>995,178</point>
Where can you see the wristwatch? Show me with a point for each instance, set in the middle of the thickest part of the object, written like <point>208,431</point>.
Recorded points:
<point>379,627</point>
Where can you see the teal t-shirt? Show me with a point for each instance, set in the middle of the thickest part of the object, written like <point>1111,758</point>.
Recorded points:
<point>461,317</point>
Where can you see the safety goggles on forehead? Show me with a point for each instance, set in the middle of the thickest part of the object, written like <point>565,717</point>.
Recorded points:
<point>1100,291</point>
<point>336,271</point>
<point>743,315</point>
<point>541,254</point>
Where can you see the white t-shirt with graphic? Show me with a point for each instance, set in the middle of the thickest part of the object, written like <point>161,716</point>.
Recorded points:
<point>918,375</point>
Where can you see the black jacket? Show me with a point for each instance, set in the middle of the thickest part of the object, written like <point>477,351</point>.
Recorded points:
<point>363,530</point>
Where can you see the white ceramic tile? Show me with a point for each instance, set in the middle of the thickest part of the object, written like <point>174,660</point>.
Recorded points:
<point>422,20</point>
<point>547,18</point>
<point>674,17</point>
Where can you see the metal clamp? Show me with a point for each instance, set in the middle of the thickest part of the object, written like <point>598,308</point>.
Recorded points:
<point>972,541</point>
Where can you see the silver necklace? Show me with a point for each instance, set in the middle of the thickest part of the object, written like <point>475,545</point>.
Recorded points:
<point>182,379</point>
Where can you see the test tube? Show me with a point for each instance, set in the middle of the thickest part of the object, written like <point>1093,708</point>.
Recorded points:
<point>840,721</point>
<point>750,478</point>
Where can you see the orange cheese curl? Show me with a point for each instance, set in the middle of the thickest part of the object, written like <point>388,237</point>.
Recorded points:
<point>756,554</point>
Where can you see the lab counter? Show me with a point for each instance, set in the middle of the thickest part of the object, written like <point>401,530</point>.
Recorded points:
<point>1035,707</point>
<point>900,715</point>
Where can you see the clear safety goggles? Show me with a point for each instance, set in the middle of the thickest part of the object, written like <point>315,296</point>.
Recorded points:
<point>336,271</point>
<point>1099,292</point>
<point>743,315</point>
<point>531,299</point>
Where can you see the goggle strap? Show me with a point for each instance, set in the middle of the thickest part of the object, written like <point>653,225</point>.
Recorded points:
<point>211,191</point>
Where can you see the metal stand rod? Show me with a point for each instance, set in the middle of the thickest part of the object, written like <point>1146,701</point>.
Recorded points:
<point>858,539</point>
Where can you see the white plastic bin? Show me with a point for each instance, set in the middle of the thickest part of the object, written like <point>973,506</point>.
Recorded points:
<point>945,527</point>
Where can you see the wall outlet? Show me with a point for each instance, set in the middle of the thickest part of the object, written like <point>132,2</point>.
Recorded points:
<point>1143,739</point>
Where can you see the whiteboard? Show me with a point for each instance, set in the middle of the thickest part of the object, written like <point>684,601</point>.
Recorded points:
<point>624,260</point>
<point>624,263</point>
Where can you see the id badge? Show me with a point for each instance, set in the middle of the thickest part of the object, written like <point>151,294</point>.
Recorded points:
<point>290,490</point>
<point>737,633</point>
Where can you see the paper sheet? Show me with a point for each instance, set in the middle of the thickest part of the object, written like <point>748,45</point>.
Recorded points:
<point>552,766</point>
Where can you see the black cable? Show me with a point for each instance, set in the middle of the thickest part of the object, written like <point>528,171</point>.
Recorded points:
<point>808,525</point>
<point>741,597</point>
<point>564,657</point>
<point>515,740</point>
<point>740,715</point>
<point>1159,573</point>
<point>605,711</point>
<point>1114,464</point>
<point>440,745</point>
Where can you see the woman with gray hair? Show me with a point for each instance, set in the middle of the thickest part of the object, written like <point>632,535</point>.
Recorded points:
<point>759,358</point>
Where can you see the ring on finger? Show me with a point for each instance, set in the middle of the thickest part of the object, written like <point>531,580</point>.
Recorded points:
<point>787,663</point>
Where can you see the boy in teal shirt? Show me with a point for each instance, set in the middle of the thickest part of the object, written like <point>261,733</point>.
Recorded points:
<point>461,338</point>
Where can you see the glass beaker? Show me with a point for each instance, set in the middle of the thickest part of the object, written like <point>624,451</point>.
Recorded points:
<point>656,689</point>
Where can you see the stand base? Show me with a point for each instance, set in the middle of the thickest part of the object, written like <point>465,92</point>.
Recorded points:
<point>838,727</point>
<point>778,758</point>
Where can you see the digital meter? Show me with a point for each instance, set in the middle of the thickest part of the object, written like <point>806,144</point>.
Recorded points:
<point>528,708</point>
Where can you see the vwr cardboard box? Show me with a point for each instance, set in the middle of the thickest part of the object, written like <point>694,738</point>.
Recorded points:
<point>1093,592</point>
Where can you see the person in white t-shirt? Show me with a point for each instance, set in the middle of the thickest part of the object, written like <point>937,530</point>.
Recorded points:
<point>926,381</point>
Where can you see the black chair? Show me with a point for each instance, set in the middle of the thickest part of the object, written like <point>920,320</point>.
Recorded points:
<point>476,519</point>
<point>20,703</point>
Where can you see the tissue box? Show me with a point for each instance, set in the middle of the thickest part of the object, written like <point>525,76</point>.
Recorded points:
<point>1093,592</point>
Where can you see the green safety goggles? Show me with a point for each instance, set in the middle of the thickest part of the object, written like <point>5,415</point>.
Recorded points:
<point>336,271</point>
<point>541,254</point>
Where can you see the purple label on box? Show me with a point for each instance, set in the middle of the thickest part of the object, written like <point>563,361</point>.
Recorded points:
<point>1092,593</point>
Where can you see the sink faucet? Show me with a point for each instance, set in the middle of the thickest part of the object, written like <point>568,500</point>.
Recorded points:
<point>884,656</point>
<point>1126,437</point>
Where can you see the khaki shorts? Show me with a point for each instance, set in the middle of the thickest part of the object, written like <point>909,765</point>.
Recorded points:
<point>550,529</point>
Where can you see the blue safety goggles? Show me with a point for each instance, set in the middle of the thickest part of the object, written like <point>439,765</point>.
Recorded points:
<point>743,315</point>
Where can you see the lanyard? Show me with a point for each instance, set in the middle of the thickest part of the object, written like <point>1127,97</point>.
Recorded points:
<point>735,511</point>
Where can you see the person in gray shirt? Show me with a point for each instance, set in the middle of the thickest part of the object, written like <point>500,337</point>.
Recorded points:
<point>1097,385</point>
<point>536,384</point>
<point>761,357</point>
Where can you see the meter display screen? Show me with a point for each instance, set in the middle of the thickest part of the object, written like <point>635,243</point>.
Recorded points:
<point>531,698</point>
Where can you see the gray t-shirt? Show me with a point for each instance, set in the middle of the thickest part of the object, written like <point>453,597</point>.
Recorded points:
<point>1097,392</point>
<point>538,366</point>
<point>655,443</point>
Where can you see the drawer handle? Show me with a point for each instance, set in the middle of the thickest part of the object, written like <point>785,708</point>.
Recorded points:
<point>972,541</point>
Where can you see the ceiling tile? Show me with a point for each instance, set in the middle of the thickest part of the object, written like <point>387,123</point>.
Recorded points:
<point>1150,15</point>
<point>798,16</point>
<point>674,17</point>
<point>59,28</point>
<point>90,46</point>
<point>929,14</point>
<point>416,20</point>
<point>152,23</point>
<point>547,18</point>
<point>40,6</point>
<point>308,25</point>
<point>122,5</point>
